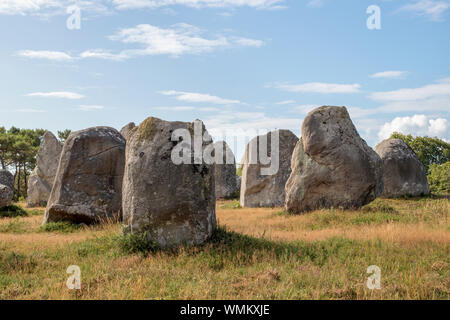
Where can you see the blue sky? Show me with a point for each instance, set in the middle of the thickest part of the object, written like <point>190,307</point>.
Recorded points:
<point>239,65</point>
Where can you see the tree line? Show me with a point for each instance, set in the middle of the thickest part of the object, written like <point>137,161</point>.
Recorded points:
<point>18,150</point>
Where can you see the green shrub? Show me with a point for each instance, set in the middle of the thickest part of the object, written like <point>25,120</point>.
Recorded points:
<point>61,227</point>
<point>12,211</point>
<point>137,243</point>
<point>439,178</point>
<point>378,206</point>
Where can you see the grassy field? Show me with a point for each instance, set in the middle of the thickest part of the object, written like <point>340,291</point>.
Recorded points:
<point>254,254</point>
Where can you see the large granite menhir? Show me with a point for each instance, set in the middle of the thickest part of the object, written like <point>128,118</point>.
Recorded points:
<point>171,201</point>
<point>41,179</point>
<point>332,167</point>
<point>88,183</point>
<point>404,174</point>
<point>260,185</point>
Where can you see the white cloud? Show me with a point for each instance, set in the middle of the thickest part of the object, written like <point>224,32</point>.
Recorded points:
<point>417,125</point>
<point>258,4</point>
<point>320,87</point>
<point>22,7</point>
<point>389,74</point>
<point>57,94</point>
<point>246,42</point>
<point>432,97</point>
<point>285,102</point>
<point>198,97</point>
<point>45,54</point>
<point>441,88</point>
<point>432,9</point>
<point>175,41</point>
<point>90,107</point>
<point>48,8</point>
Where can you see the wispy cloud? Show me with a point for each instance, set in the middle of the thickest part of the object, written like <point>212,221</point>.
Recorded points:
<point>57,94</point>
<point>258,4</point>
<point>320,87</point>
<point>390,74</point>
<point>431,9</point>
<point>198,97</point>
<point>441,88</point>
<point>177,40</point>
<point>45,54</point>
<point>90,107</point>
<point>285,102</point>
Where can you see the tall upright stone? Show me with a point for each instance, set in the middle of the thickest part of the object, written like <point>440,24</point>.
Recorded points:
<point>403,173</point>
<point>6,187</point>
<point>168,190</point>
<point>40,182</point>
<point>331,165</point>
<point>126,129</point>
<point>88,183</point>
<point>225,171</point>
<point>263,180</point>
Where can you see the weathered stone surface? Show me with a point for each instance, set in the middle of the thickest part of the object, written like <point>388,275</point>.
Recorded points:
<point>88,183</point>
<point>7,179</point>
<point>331,165</point>
<point>225,171</point>
<point>257,188</point>
<point>6,187</point>
<point>126,129</point>
<point>6,195</point>
<point>172,203</point>
<point>403,173</point>
<point>41,179</point>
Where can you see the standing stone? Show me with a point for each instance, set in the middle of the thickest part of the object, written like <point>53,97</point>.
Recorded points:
<point>6,187</point>
<point>225,171</point>
<point>41,179</point>
<point>7,179</point>
<point>331,165</point>
<point>126,130</point>
<point>173,202</point>
<point>266,189</point>
<point>88,184</point>
<point>403,173</point>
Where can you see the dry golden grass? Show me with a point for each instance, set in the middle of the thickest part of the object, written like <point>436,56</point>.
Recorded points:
<point>256,254</point>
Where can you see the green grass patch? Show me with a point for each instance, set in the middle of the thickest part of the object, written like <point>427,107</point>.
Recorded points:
<point>136,244</point>
<point>235,204</point>
<point>378,205</point>
<point>61,227</point>
<point>14,226</point>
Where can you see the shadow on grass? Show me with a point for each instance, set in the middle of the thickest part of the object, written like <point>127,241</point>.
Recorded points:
<point>225,247</point>
<point>12,211</point>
